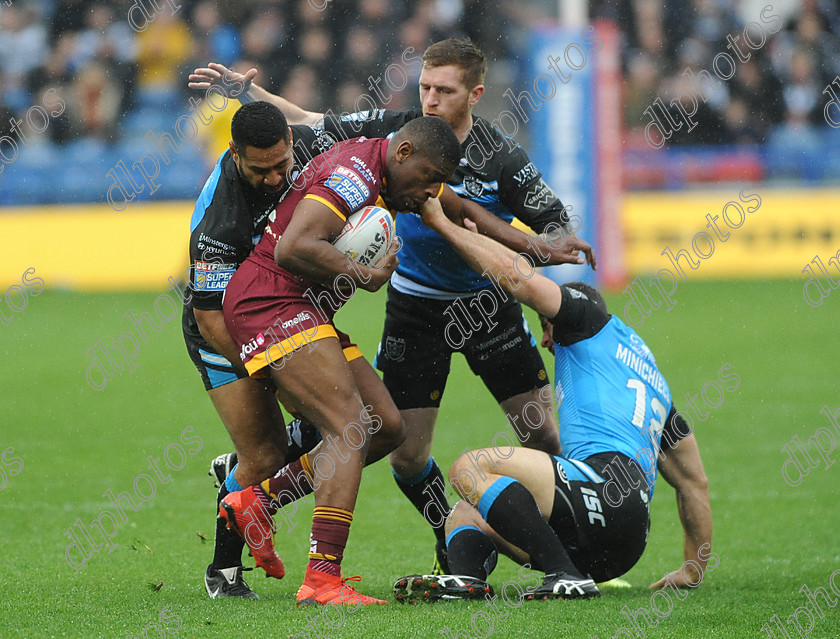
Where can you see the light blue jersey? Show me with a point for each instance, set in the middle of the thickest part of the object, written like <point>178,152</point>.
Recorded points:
<point>611,397</point>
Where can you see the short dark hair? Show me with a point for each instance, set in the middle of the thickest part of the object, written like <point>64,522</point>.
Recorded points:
<point>258,124</point>
<point>590,292</point>
<point>462,53</point>
<point>433,138</point>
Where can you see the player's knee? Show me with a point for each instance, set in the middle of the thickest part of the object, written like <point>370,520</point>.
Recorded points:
<point>460,515</point>
<point>391,435</point>
<point>463,479</point>
<point>408,461</point>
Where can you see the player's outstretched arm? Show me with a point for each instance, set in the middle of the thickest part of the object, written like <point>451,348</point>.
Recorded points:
<point>242,87</point>
<point>306,249</point>
<point>563,250</point>
<point>682,467</point>
<point>498,263</point>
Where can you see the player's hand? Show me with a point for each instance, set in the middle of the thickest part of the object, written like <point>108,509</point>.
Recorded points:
<point>380,274</point>
<point>568,251</point>
<point>687,577</point>
<point>470,225</point>
<point>431,212</point>
<point>215,74</point>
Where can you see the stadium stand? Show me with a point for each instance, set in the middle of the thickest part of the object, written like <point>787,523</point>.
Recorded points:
<point>120,78</point>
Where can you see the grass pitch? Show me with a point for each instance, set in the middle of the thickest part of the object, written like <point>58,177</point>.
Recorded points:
<point>71,444</point>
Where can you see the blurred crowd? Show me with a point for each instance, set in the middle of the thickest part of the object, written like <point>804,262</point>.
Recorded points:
<point>124,63</point>
<point>109,59</point>
<point>775,86</point>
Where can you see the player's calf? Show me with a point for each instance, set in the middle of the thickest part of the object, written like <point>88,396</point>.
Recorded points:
<point>385,429</point>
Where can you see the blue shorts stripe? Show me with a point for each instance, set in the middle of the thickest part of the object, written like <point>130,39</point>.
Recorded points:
<point>491,493</point>
<point>214,358</point>
<point>220,378</point>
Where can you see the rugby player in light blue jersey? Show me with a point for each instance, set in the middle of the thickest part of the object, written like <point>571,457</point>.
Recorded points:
<point>582,517</point>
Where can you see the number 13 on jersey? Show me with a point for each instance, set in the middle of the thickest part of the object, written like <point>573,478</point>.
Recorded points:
<point>660,413</point>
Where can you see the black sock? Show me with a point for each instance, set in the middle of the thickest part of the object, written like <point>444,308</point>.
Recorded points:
<point>471,552</point>
<point>432,503</point>
<point>228,545</point>
<point>515,516</point>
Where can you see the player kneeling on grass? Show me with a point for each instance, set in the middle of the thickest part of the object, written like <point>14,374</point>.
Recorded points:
<point>582,517</point>
<point>285,285</point>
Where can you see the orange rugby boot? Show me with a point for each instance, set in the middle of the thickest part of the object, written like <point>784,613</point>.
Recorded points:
<point>320,588</point>
<point>246,514</point>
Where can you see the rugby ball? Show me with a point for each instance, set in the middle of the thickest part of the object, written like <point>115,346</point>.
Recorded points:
<point>367,235</point>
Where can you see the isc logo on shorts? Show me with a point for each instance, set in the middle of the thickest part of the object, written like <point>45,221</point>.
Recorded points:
<point>593,505</point>
<point>213,276</point>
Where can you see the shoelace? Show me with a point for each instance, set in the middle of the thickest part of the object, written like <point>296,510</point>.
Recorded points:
<point>352,590</point>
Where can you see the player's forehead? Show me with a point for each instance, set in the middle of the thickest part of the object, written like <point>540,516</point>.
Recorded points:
<point>271,156</point>
<point>448,75</point>
<point>431,170</point>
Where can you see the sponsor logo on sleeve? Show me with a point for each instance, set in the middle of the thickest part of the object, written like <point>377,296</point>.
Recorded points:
<point>212,276</point>
<point>347,184</point>
<point>526,174</point>
<point>214,244</point>
<point>356,117</point>
<point>539,196</point>
<point>361,166</point>
<point>363,116</point>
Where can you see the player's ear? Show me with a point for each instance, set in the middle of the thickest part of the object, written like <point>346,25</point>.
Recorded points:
<point>476,93</point>
<point>233,152</point>
<point>291,137</point>
<point>404,151</point>
<point>547,340</point>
